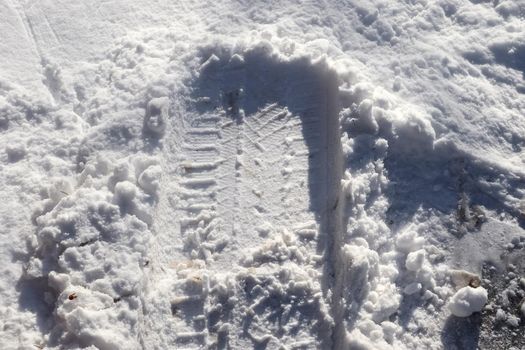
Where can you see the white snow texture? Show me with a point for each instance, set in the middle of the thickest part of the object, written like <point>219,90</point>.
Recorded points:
<point>260,175</point>
<point>468,300</point>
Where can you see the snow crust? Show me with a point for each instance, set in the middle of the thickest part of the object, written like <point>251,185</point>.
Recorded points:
<point>242,175</point>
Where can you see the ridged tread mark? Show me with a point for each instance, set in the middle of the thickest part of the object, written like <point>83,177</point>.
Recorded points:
<point>199,170</point>
<point>271,149</point>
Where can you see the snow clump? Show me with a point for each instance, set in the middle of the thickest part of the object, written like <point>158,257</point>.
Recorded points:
<point>157,115</point>
<point>468,300</point>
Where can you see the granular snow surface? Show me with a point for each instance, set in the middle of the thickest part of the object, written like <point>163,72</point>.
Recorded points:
<point>262,175</point>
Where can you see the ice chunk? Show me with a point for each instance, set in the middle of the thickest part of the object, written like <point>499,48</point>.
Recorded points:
<point>15,151</point>
<point>125,192</point>
<point>468,300</point>
<point>149,179</point>
<point>412,288</point>
<point>409,241</point>
<point>157,115</point>
<point>415,260</point>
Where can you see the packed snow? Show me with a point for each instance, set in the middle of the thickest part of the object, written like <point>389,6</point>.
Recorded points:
<point>266,175</point>
<point>468,300</point>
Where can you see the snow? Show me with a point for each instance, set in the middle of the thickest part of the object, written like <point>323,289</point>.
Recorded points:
<point>468,300</point>
<point>284,175</point>
<point>157,115</point>
<point>415,260</point>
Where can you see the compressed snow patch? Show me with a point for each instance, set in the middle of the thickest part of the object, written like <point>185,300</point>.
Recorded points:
<point>468,300</point>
